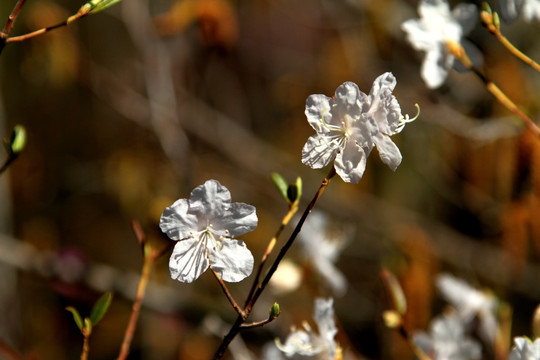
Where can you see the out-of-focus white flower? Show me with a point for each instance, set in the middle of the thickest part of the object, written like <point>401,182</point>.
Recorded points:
<point>431,33</point>
<point>309,343</point>
<point>447,341</point>
<point>530,9</point>
<point>525,349</point>
<point>321,246</point>
<point>469,303</point>
<point>205,226</point>
<point>287,277</point>
<point>350,124</point>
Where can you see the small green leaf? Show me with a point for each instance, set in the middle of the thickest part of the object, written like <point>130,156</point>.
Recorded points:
<point>496,20</point>
<point>281,185</point>
<point>299,187</point>
<point>18,139</point>
<point>94,6</point>
<point>486,8</point>
<point>100,308</point>
<point>76,317</point>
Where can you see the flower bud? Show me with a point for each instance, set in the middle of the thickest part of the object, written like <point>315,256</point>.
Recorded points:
<point>274,311</point>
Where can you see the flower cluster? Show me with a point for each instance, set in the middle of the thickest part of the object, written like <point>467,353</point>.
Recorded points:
<point>309,343</point>
<point>205,226</point>
<point>350,124</point>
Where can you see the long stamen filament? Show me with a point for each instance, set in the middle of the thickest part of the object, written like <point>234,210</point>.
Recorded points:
<point>331,127</point>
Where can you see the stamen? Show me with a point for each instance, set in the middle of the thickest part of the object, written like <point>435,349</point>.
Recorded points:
<point>406,119</point>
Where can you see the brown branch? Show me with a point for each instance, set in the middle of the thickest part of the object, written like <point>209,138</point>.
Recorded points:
<point>32,34</point>
<point>150,257</point>
<point>260,288</point>
<point>11,19</point>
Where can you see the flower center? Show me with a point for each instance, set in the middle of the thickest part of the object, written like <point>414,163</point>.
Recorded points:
<point>208,234</point>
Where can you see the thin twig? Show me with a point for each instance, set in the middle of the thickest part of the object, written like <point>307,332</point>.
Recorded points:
<point>289,242</point>
<point>228,295</point>
<point>257,324</point>
<point>458,51</point>
<point>11,19</point>
<point>293,208</point>
<point>260,288</point>
<point>32,34</point>
<point>8,162</point>
<point>495,30</point>
<point>86,346</point>
<point>150,257</point>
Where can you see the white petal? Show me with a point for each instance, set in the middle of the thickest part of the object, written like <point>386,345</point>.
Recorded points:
<point>351,162</point>
<point>388,151</point>
<point>346,100</point>
<point>531,10</point>
<point>383,85</point>
<point>434,70</point>
<point>432,9</point>
<point>210,200</point>
<point>239,219</point>
<point>318,106</point>
<point>419,37</point>
<point>233,262</point>
<point>319,151</point>
<point>188,260</point>
<point>324,317</point>
<point>299,342</point>
<point>176,222</point>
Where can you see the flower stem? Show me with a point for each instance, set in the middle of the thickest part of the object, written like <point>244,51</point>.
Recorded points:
<point>228,295</point>
<point>237,326</point>
<point>458,51</point>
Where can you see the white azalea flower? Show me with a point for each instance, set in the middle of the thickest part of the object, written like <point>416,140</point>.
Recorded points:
<point>307,342</point>
<point>530,9</point>
<point>431,33</point>
<point>322,247</point>
<point>205,226</point>
<point>350,124</point>
<point>525,349</point>
<point>470,303</point>
<point>447,341</point>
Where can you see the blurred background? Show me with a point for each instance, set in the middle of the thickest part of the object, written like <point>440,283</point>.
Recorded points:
<point>128,110</point>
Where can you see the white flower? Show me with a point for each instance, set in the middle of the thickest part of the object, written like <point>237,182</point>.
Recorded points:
<point>530,9</point>
<point>308,343</point>
<point>431,33</point>
<point>447,341</point>
<point>525,349</point>
<point>470,303</point>
<point>322,247</point>
<point>350,124</point>
<point>205,227</point>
